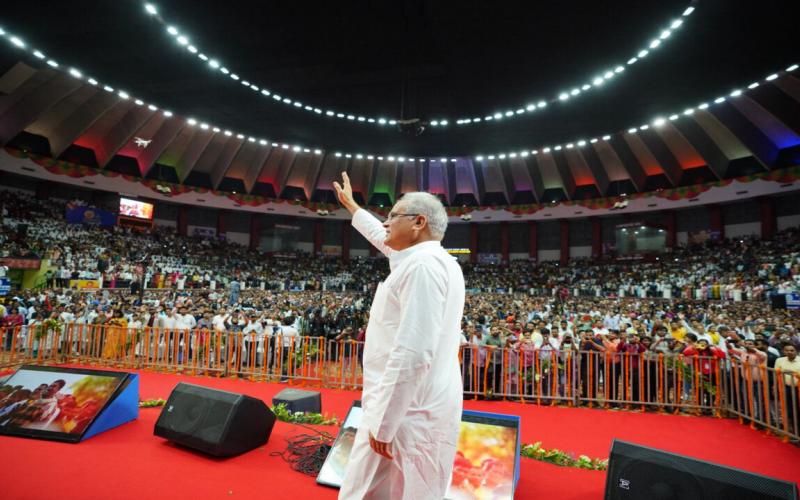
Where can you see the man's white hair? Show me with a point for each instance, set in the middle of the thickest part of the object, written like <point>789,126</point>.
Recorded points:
<point>431,207</point>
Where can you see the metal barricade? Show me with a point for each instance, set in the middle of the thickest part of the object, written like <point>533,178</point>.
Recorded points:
<point>757,395</point>
<point>764,397</point>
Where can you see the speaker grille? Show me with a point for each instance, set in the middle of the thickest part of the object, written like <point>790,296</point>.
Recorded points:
<point>202,417</point>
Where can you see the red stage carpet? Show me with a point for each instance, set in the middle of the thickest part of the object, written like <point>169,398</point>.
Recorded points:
<point>129,462</point>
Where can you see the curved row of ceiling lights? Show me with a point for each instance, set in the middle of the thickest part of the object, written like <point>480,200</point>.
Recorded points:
<point>20,44</point>
<point>594,82</point>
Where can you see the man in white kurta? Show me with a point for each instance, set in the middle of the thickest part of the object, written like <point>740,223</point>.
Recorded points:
<point>412,396</point>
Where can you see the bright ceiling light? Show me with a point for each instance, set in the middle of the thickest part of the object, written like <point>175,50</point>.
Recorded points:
<point>586,86</point>
<point>317,151</point>
<point>74,72</point>
<point>659,122</point>
<point>167,113</point>
<point>546,150</point>
<point>606,137</point>
<point>575,91</point>
<point>608,74</point>
<point>16,41</point>
<point>192,49</point>
<point>752,85</point>
<point>502,156</point>
<point>52,63</point>
<point>216,131</point>
<point>191,121</point>
<point>619,69</point>
<point>598,81</point>
<point>213,63</point>
<point>688,11</point>
<point>632,130</point>
<point>38,54</point>
<point>563,96</point>
<point>772,77</point>
<point>228,133</point>
<point>642,53</point>
<point>703,106</point>
<point>139,102</point>
<point>541,104</point>
<point>151,9</point>
<point>108,89</point>
<point>792,67</point>
<point>655,43</point>
<point>665,34</point>
<point>719,100</point>
<point>736,93</point>
<point>593,140</point>
<point>632,60</point>
<point>172,30</point>
<point>676,24</point>
<point>123,94</point>
<point>688,111</point>
<point>673,117</point>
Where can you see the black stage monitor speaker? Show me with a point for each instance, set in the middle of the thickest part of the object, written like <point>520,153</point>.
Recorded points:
<point>219,423</point>
<point>299,400</point>
<point>638,472</point>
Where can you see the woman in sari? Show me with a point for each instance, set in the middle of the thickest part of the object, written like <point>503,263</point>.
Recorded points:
<point>116,330</point>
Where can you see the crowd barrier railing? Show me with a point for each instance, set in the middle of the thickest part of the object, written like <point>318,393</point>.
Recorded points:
<point>755,394</point>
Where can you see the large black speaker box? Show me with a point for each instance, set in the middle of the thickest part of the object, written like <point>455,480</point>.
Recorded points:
<point>638,472</point>
<point>219,423</point>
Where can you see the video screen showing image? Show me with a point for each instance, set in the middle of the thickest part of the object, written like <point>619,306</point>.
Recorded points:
<point>485,461</point>
<point>485,464</point>
<point>55,403</point>
<point>133,208</point>
<point>332,471</point>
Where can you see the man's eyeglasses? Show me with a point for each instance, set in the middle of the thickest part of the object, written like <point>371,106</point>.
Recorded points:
<point>392,216</point>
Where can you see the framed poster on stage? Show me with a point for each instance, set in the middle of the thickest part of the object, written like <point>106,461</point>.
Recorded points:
<point>56,403</point>
<point>486,464</point>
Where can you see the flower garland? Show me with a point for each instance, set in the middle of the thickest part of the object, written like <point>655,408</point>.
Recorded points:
<point>152,403</point>
<point>534,451</point>
<point>564,459</point>
<point>298,417</point>
<point>61,167</point>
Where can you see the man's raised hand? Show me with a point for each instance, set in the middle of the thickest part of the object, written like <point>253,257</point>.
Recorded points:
<point>344,192</point>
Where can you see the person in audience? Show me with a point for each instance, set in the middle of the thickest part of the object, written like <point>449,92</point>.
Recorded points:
<point>789,367</point>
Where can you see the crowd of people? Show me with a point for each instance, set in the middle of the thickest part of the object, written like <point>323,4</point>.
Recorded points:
<point>745,268</point>
<point>516,315</point>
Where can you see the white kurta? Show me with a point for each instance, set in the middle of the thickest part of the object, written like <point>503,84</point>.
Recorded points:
<point>412,394</point>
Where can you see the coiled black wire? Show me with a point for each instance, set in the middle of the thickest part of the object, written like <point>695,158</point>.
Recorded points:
<point>306,452</point>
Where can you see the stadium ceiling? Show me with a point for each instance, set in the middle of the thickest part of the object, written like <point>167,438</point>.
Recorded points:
<point>428,59</point>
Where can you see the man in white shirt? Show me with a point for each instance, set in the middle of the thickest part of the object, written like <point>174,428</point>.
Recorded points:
<point>219,319</point>
<point>412,397</point>
<point>253,338</point>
